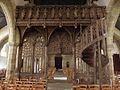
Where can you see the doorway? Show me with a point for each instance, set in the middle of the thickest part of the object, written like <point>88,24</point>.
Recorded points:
<point>58,62</point>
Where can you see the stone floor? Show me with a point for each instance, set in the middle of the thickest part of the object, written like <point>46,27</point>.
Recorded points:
<point>59,84</point>
<point>62,85</point>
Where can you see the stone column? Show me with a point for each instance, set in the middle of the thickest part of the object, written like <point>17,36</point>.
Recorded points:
<point>11,63</point>
<point>112,18</point>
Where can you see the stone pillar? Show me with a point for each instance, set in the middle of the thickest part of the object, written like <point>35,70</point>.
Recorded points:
<point>112,18</point>
<point>11,63</point>
<point>110,57</point>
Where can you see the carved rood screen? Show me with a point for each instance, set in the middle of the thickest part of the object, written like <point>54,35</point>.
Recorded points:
<point>94,35</point>
<point>32,50</point>
<point>55,15</point>
<point>60,42</point>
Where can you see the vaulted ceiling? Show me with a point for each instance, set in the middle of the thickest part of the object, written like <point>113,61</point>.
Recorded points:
<point>2,19</point>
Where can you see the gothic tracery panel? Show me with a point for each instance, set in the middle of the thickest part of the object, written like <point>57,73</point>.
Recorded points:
<point>32,50</point>
<point>60,43</point>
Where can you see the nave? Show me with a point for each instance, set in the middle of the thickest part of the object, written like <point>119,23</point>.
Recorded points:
<point>60,47</point>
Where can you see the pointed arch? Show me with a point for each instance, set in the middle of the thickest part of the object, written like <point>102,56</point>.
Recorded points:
<point>60,42</point>
<point>32,51</point>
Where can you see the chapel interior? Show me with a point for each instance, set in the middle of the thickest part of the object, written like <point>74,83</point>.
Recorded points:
<point>59,44</point>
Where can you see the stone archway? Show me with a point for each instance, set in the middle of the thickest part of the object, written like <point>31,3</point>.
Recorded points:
<point>9,11</point>
<point>60,43</point>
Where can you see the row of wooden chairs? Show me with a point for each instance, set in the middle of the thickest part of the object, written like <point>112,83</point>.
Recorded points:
<point>22,87</point>
<point>23,84</point>
<point>97,87</point>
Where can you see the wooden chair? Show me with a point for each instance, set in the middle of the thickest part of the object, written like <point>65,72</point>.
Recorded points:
<point>116,87</point>
<point>93,87</point>
<point>80,87</point>
<point>106,87</point>
<point>38,87</point>
<point>24,79</point>
<point>1,86</point>
<point>33,80</point>
<point>18,82</point>
<point>11,87</point>
<point>75,87</point>
<point>26,87</point>
<point>18,86</point>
